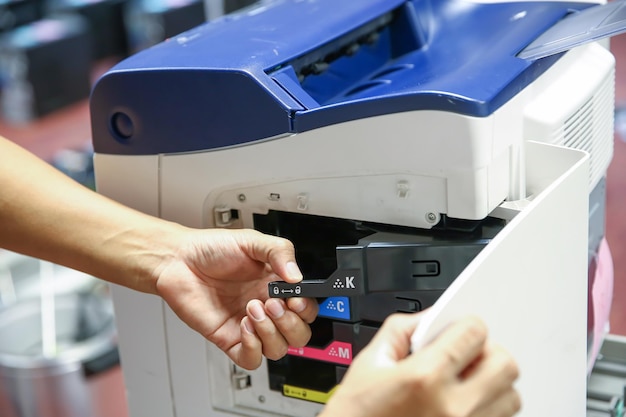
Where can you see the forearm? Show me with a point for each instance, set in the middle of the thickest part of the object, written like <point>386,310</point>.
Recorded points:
<point>45,214</point>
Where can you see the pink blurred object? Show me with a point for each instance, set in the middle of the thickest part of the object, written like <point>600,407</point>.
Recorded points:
<point>600,297</point>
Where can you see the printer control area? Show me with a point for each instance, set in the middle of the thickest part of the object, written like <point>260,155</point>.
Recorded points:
<point>360,273</point>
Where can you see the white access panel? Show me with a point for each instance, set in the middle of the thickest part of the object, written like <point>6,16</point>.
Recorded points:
<point>530,286</point>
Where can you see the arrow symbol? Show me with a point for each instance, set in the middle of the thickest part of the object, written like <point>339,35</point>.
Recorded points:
<point>284,291</point>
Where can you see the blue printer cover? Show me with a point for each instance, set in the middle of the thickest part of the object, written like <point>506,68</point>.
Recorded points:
<point>290,66</point>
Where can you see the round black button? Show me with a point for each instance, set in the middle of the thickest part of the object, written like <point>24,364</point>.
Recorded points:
<point>122,125</point>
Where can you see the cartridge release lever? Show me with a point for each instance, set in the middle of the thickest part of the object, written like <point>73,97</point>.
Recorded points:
<point>342,282</point>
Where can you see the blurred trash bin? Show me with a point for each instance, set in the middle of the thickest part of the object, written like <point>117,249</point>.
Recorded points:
<point>37,385</point>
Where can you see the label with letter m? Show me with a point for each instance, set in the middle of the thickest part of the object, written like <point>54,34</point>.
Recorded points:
<point>335,352</point>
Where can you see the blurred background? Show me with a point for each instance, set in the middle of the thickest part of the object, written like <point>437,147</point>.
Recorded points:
<point>58,347</point>
<point>51,53</point>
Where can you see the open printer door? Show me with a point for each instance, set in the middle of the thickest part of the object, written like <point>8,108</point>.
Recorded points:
<point>529,285</point>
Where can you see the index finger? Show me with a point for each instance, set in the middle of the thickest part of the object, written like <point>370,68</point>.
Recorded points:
<point>393,339</point>
<point>276,251</point>
<point>459,345</point>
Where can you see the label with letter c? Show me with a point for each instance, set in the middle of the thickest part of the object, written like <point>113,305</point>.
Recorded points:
<point>335,308</point>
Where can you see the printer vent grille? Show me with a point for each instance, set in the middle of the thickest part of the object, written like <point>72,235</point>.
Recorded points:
<point>590,128</point>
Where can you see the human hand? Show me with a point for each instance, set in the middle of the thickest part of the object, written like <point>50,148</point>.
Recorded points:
<point>460,373</point>
<point>216,283</point>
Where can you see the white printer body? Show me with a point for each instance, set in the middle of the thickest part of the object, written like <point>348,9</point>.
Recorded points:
<point>480,190</point>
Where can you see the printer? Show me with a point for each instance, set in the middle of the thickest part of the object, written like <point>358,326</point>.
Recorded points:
<point>416,160</point>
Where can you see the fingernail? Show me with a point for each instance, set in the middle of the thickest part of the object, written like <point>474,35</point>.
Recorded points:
<point>275,308</point>
<point>297,305</point>
<point>293,271</point>
<point>256,311</point>
<point>247,325</point>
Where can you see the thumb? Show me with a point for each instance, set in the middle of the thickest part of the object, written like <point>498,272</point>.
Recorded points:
<point>276,251</point>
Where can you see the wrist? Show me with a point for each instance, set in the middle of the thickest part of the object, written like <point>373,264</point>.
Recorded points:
<point>151,250</point>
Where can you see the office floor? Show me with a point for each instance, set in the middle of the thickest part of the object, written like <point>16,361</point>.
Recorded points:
<point>70,128</point>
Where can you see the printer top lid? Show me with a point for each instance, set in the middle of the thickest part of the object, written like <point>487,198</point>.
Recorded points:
<point>290,66</point>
